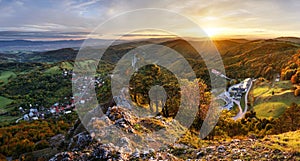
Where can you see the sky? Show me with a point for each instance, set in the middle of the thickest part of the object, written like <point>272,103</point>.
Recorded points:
<point>74,19</point>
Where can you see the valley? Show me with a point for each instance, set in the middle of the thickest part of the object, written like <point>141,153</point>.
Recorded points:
<point>42,80</point>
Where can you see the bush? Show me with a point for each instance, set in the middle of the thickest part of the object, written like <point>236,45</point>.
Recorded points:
<point>41,145</point>
<point>295,79</point>
<point>2,157</point>
<point>297,92</point>
<point>293,88</point>
<point>289,73</point>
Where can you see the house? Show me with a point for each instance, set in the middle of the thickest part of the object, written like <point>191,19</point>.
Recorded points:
<point>277,79</point>
<point>31,114</point>
<point>67,112</point>
<point>238,96</point>
<point>52,110</point>
<point>82,101</point>
<point>26,117</point>
<point>21,109</point>
<point>246,84</point>
<point>229,106</point>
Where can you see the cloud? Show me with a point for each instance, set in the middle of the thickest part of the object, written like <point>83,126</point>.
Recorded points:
<point>37,35</point>
<point>83,4</point>
<point>83,16</point>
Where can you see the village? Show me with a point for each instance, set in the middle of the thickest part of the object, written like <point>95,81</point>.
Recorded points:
<point>234,95</point>
<point>36,112</point>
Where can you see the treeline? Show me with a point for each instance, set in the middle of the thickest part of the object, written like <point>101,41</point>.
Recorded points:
<point>292,72</point>
<point>251,125</point>
<point>30,136</point>
<point>167,104</point>
<point>38,88</point>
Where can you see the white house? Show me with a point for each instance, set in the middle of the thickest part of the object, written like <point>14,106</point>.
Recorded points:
<point>67,112</point>
<point>30,114</point>
<point>26,118</point>
<point>246,84</point>
<point>52,110</point>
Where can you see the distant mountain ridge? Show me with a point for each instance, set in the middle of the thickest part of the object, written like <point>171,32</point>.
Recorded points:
<point>28,45</point>
<point>242,58</point>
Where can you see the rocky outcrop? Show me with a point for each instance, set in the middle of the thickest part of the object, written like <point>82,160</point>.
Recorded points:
<point>246,149</point>
<point>120,135</point>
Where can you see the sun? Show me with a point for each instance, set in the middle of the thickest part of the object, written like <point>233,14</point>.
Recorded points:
<point>212,32</point>
<point>215,32</point>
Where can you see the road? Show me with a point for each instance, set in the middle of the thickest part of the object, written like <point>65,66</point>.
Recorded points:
<point>241,114</point>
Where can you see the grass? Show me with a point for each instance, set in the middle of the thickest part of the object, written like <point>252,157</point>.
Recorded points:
<point>6,75</point>
<point>264,89</point>
<point>53,70</point>
<point>242,102</point>
<point>270,109</point>
<point>271,100</point>
<point>66,65</point>
<point>289,141</point>
<point>260,87</point>
<point>3,103</point>
<point>6,120</point>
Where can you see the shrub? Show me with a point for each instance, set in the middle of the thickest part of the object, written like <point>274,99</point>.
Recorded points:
<point>295,79</point>
<point>41,145</point>
<point>2,157</point>
<point>289,73</point>
<point>293,88</point>
<point>297,92</point>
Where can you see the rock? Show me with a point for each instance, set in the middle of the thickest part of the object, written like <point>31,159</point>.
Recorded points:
<point>210,149</point>
<point>80,141</point>
<point>150,139</point>
<point>144,154</point>
<point>276,151</point>
<point>158,117</point>
<point>104,151</point>
<point>221,149</point>
<point>82,147</point>
<point>243,150</point>
<point>253,137</point>
<point>235,150</point>
<point>200,155</point>
<point>56,140</point>
<point>151,151</point>
<point>124,141</point>
<point>296,154</point>
<point>136,154</point>
<point>235,140</point>
<point>65,156</point>
<point>180,146</point>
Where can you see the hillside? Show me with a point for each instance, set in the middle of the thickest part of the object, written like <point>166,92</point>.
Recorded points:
<point>272,147</point>
<point>241,58</point>
<point>38,78</point>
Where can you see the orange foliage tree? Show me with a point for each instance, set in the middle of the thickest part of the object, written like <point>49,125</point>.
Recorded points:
<point>297,92</point>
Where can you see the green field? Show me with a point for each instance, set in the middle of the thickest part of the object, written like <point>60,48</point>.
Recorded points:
<point>5,76</point>
<point>53,70</point>
<point>66,65</point>
<point>4,119</point>
<point>3,103</point>
<point>266,104</point>
<point>270,109</point>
